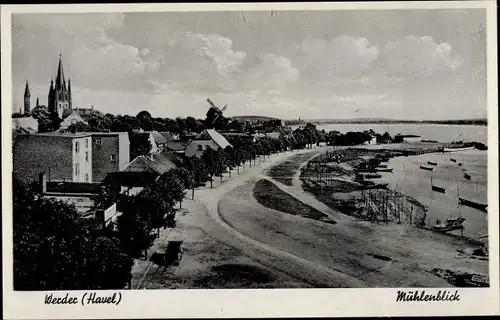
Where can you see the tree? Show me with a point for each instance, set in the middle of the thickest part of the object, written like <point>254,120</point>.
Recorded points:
<point>42,115</point>
<point>135,226</point>
<point>139,144</point>
<point>145,120</point>
<point>54,249</point>
<point>215,162</point>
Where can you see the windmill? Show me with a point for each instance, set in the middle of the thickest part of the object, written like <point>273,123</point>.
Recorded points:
<point>214,112</point>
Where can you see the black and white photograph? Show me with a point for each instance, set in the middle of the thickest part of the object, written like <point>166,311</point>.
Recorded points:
<point>251,149</point>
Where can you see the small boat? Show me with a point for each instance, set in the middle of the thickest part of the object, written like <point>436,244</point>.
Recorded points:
<point>438,189</point>
<point>374,186</point>
<point>457,149</point>
<point>450,225</point>
<point>467,176</point>
<point>472,204</point>
<point>453,160</point>
<point>373,176</point>
<point>426,168</point>
<point>384,169</point>
<point>432,163</point>
<point>460,164</point>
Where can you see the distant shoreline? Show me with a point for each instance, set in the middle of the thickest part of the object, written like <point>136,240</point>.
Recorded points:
<point>439,122</point>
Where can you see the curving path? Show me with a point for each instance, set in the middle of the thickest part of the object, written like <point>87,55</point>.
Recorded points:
<point>266,254</point>
<point>348,254</point>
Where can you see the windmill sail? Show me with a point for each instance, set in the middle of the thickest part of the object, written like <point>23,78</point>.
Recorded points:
<point>211,103</point>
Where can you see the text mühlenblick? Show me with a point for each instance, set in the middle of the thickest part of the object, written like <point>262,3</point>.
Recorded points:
<point>417,295</point>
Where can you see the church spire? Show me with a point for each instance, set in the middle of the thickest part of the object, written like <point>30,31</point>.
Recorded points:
<point>37,102</point>
<point>27,90</point>
<point>60,82</point>
<point>27,95</point>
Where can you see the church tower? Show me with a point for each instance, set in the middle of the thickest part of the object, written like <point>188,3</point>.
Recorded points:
<point>59,95</point>
<point>27,99</point>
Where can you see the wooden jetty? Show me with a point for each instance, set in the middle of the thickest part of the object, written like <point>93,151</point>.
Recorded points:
<point>432,163</point>
<point>426,168</point>
<point>472,204</point>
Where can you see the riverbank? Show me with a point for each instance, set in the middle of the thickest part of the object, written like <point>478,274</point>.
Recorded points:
<point>360,182</point>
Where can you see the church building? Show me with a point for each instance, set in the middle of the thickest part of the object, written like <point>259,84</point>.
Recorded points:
<point>59,98</point>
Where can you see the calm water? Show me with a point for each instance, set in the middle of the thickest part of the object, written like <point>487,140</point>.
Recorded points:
<point>442,133</point>
<point>409,179</point>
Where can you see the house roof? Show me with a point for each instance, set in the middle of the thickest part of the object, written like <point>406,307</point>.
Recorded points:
<point>158,137</point>
<point>164,160</point>
<point>213,135</point>
<point>407,136</point>
<point>108,133</point>
<point>176,146</point>
<point>59,134</point>
<point>168,135</point>
<point>146,164</point>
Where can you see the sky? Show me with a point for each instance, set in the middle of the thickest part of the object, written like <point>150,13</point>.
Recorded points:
<point>399,64</point>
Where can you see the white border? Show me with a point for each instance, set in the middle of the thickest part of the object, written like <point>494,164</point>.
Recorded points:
<point>251,302</point>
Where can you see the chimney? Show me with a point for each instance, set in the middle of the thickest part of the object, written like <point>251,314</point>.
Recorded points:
<point>43,183</point>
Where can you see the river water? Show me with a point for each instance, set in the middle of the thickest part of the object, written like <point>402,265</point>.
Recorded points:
<point>408,178</point>
<point>442,133</point>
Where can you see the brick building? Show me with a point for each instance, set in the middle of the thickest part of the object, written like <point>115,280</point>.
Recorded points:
<point>110,153</point>
<point>63,157</point>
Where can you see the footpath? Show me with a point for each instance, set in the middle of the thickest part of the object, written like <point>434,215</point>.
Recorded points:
<point>193,217</point>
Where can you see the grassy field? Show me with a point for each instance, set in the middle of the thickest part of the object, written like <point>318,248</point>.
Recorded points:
<point>270,196</point>
<point>285,171</point>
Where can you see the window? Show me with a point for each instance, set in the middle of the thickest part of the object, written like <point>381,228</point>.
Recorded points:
<point>86,177</point>
<point>77,147</point>
<point>86,143</point>
<point>77,169</point>
<point>200,147</point>
<point>112,158</point>
<point>87,156</point>
<point>98,141</point>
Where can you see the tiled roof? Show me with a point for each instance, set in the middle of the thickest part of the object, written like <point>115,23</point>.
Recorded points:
<point>146,164</point>
<point>60,134</point>
<point>159,138</point>
<point>176,146</point>
<point>211,134</point>
<point>164,160</point>
<point>169,136</point>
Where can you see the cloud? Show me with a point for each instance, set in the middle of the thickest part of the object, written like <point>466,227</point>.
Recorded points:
<point>418,56</point>
<point>342,56</point>
<point>268,72</point>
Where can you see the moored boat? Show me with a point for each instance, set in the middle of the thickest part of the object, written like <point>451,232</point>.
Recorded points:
<point>432,163</point>
<point>384,169</point>
<point>467,176</point>
<point>426,168</point>
<point>453,160</point>
<point>472,204</point>
<point>450,225</point>
<point>457,149</point>
<point>373,176</point>
<point>438,189</point>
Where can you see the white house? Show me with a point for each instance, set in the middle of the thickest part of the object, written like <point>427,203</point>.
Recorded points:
<point>70,118</point>
<point>373,140</point>
<point>407,138</point>
<point>207,139</point>
<point>29,124</point>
